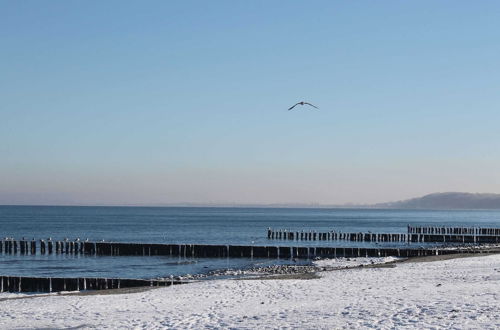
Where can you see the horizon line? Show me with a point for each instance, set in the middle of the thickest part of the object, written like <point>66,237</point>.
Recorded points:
<point>226,205</point>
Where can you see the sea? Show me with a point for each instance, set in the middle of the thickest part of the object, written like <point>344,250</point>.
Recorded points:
<point>195,225</point>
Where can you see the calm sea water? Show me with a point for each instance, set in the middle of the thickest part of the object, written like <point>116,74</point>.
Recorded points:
<point>244,226</point>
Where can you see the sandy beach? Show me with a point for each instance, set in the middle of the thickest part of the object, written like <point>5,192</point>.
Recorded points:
<point>455,293</point>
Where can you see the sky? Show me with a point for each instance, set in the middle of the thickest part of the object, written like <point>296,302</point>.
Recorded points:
<point>168,102</point>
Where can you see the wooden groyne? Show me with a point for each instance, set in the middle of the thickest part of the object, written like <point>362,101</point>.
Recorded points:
<point>13,246</point>
<point>232,251</point>
<point>414,235</point>
<point>273,252</point>
<point>477,231</point>
<point>58,284</point>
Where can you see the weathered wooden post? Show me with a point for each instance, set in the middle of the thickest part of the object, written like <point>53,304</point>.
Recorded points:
<point>33,246</point>
<point>49,245</point>
<point>22,247</point>
<point>42,246</point>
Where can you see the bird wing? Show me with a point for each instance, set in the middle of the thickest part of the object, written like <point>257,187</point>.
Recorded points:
<point>293,106</point>
<point>312,105</point>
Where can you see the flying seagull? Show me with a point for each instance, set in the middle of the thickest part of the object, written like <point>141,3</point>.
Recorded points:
<point>303,103</point>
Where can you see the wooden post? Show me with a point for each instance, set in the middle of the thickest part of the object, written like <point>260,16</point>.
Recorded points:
<point>50,245</point>
<point>42,246</point>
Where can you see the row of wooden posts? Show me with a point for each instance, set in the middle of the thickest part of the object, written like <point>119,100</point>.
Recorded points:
<point>57,284</point>
<point>241,251</point>
<point>12,246</point>
<point>333,236</point>
<point>410,237</point>
<point>477,231</point>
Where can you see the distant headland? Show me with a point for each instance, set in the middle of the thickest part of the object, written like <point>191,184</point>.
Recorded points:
<point>446,200</point>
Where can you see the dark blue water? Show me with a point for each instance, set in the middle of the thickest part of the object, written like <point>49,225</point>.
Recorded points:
<point>243,226</point>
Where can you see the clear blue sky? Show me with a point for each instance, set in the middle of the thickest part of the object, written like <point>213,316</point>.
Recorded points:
<point>133,102</point>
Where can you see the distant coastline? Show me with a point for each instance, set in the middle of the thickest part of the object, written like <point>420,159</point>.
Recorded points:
<point>435,201</point>
<point>447,201</point>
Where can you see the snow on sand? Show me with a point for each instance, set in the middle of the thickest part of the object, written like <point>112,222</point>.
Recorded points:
<point>457,293</point>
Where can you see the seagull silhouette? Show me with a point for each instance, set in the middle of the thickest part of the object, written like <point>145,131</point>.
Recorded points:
<point>303,103</point>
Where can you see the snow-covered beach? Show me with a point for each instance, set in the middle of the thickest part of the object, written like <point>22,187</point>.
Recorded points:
<point>456,293</point>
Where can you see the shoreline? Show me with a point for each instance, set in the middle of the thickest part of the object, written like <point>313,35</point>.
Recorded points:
<point>280,272</point>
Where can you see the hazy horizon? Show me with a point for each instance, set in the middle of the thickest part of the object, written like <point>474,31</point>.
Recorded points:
<point>384,204</point>
<point>126,103</point>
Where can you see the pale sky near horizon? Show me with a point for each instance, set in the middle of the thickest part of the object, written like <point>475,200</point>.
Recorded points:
<point>156,102</point>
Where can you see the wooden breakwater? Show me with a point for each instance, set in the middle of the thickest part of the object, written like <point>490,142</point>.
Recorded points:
<point>477,231</point>
<point>235,251</point>
<point>58,284</point>
<point>13,246</point>
<point>414,235</point>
